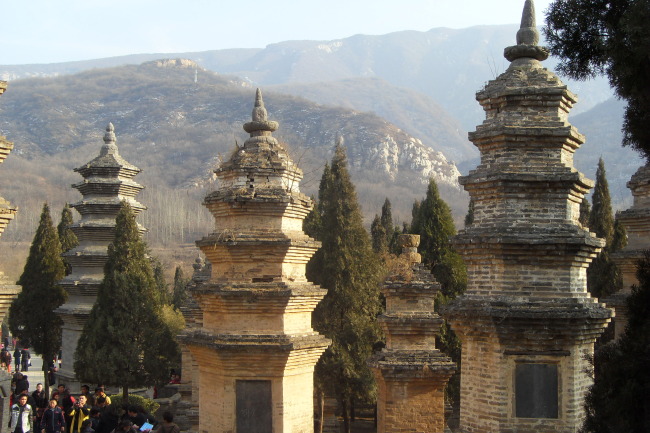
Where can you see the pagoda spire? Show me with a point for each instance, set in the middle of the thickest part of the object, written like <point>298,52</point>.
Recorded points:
<point>8,290</point>
<point>526,320</point>
<point>527,38</point>
<point>255,346</point>
<point>259,124</point>
<point>109,147</point>
<point>107,181</point>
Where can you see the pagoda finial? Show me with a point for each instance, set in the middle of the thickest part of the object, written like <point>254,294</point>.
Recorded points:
<point>260,125</point>
<point>259,111</point>
<point>527,38</point>
<point>528,33</point>
<point>109,146</point>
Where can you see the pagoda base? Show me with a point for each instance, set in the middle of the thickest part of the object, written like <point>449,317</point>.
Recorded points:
<point>524,364</point>
<point>260,383</point>
<point>411,390</point>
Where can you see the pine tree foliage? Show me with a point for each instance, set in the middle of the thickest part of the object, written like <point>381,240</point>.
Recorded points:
<point>610,37</point>
<point>162,289</point>
<point>126,342</point>
<point>601,218</point>
<point>350,270</point>
<point>66,236</point>
<point>432,220</point>
<point>585,211</point>
<point>179,293</point>
<point>378,234</point>
<point>469,218</point>
<point>603,275</point>
<point>31,315</point>
<point>619,401</point>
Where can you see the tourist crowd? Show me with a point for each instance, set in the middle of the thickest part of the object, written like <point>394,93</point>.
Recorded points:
<point>62,412</point>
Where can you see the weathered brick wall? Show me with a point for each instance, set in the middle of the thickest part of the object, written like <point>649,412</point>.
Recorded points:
<point>410,406</point>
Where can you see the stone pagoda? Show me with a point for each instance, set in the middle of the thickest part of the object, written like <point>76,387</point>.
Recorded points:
<point>637,224</point>
<point>256,350</point>
<point>107,181</point>
<point>8,290</point>
<point>411,373</point>
<point>526,320</point>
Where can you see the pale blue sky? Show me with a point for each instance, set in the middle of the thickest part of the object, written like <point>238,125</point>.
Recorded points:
<point>48,31</point>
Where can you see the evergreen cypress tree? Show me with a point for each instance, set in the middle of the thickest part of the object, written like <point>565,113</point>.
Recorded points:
<point>378,233</point>
<point>179,294</point>
<point>350,271</point>
<point>469,218</point>
<point>66,236</point>
<point>126,342</point>
<point>433,222</point>
<point>31,315</point>
<point>161,285</point>
<point>619,400</point>
<point>601,218</point>
<point>585,211</point>
<point>603,276</point>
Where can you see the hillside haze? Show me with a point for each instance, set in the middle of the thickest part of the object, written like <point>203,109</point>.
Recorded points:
<point>177,131</point>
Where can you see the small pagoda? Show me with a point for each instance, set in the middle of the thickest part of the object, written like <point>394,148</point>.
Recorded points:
<point>256,349</point>
<point>8,290</point>
<point>411,373</point>
<point>107,182</point>
<point>637,224</point>
<point>526,321</point>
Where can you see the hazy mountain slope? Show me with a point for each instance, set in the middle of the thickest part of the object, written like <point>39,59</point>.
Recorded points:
<point>602,126</point>
<point>447,65</point>
<point>414,112</point>
<point>177,130</point>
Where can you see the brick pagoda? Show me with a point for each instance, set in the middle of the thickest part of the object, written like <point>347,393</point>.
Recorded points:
<point>637,224</point>
<point>107,181</point>
<point>8,290</point>
<point>526,320</point>
<point>256,350</point>
<point>411,373</point>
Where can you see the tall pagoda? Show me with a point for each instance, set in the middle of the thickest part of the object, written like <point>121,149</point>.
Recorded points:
<point>256,350</point>
<point>411,373</point>
<point>637,225</point>
<point>526,321</point>
<point>8,290</point>
<point>107,181</point>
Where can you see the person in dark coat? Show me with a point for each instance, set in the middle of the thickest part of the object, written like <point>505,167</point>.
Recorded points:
<point>21,383</point>
<point>25,358</point>
<point>17,355</point>
<point>53,420</point>
<point>40,402</point>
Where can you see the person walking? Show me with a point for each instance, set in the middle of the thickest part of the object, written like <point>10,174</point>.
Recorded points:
<point>21,416</point>
<point>17,355</point>
<point>53,420</point>
<point>25,359</point>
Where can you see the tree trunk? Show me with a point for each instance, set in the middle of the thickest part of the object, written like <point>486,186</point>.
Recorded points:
<point>125,395</point>
<point>353,414</point>
<point>45,369</point>
<point>321,411</point>
<point>346,415</point>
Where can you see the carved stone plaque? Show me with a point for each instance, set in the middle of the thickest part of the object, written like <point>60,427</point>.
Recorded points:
<point>536,391</point>
<point>254,406</point>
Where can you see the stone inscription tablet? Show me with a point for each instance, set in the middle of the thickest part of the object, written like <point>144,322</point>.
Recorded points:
<point>536,391</point>
<point>254,406</point>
